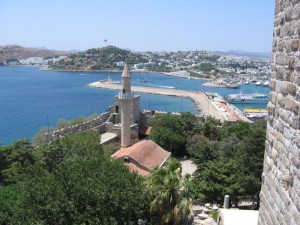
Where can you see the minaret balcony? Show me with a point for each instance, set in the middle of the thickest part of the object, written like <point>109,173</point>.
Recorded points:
<point>126,95</point>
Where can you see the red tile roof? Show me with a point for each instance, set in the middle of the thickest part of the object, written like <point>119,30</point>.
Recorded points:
<point>145,131</point>
<point>145,155</point>
<point>135,168</point>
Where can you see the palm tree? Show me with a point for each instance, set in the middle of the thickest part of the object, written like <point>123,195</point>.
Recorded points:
<point>165,190</point>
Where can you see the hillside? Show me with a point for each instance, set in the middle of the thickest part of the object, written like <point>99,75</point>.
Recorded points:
<point>11,53</point>
<point>109,57</point>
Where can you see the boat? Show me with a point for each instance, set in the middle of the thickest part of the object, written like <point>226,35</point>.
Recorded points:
<point>255,98</point>
<point>142,80</point>
<point>258,83</point>
<point>266,83</point>
<point>253,114</point>
<point>233,85</point>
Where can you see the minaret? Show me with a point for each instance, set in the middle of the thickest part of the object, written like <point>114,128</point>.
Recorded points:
<point>125,99</point>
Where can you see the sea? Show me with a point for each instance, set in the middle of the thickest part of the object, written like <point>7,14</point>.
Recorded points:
<point>31,99</point>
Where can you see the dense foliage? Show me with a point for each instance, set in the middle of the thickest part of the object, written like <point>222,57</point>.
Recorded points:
<point>74,181</point>
<point>68,182</point>
<point>169,204</point>
<point>171,132</point>
<point>229,158</point>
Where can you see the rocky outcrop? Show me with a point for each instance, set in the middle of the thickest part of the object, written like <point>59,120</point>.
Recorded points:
<point>14,53</point>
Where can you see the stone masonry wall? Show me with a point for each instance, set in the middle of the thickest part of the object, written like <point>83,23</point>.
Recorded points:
<point>280,193</point>
<point>98,123</point>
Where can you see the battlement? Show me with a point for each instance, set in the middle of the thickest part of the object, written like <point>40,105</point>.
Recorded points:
<point>129,95</point>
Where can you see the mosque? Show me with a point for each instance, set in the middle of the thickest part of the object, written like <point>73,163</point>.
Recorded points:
<point>144,155</point>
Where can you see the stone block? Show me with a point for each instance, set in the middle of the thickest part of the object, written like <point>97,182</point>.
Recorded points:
<point>280,72</point>
<point>296,185</point>
<point>281,46</point>
<point>274,153</point>
<point>272,84</point>
<point>297,64</point>
<point>281,59</point>
<point>296,12</point>
<point>295,162</point>
<point>295,108</point>
<point>295,45</point>
<point>287,133</point>
<point>288,102</point>
<point>292,62</point>
<point>295,122</point>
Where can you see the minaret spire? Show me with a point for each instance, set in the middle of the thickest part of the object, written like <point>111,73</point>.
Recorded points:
<point>126,80</point>
<point>125,99</point>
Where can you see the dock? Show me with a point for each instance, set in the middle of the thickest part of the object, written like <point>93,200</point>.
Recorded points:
<point>206,105</point>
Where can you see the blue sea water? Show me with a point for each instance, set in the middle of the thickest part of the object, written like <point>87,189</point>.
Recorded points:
<point>30,97</point>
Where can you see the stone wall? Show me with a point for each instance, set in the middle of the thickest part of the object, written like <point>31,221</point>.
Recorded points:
<point>280,193</point>
<point>100,124</point>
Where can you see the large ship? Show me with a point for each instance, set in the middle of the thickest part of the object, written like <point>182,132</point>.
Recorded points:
<point>255,98</point>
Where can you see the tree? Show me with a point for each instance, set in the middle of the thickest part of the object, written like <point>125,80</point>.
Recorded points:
<point>168,205</point>
<point>252,160</point>
<point>73,145</point>
<point>201,149</point>
<point>170,132</point>
<point>8,198</point>
<point>165,133</point>
<point>208,128</point>
<point>69,182</point>
<point>80,190</point>
<point>13,158</point>
<point>169,140</point>
<point>216,179</point>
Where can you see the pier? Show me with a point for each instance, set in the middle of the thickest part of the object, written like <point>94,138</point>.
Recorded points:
<point>206,105</point>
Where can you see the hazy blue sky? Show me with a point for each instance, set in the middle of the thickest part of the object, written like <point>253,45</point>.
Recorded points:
<point>139,24</point>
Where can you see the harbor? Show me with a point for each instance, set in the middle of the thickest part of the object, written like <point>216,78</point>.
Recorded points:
<point>207,104</point>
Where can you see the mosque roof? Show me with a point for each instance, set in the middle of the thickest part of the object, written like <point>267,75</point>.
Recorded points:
<point>143,156</point>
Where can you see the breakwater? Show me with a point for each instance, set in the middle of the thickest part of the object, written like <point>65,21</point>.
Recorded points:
<point>206,106</point>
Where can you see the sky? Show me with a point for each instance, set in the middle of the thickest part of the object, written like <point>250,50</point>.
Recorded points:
<point>139,25</point>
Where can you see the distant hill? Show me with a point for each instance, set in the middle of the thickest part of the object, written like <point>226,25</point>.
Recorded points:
<point>15,52</point>
<point>242,53</point>
<point>106,58</point>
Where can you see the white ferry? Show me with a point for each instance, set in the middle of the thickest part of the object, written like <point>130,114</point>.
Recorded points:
<point>255,98</point>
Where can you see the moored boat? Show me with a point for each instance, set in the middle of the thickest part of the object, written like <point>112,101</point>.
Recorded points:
<point>255,98</point>
<point>253,114</point>
<point>233,85</point>
<point>142,80</point>
<point>266,83</point>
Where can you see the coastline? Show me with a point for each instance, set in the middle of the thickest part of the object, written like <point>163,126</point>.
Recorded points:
<point>120,71</point>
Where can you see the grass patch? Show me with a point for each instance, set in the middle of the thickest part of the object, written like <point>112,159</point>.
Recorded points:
<point>214,214</point>
<point>193,74</point>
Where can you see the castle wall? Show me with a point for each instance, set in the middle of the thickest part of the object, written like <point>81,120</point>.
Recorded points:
<point>280,193</point>
<point>99,124</point>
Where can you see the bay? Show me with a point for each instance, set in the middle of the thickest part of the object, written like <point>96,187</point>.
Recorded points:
<point>31,98</point>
